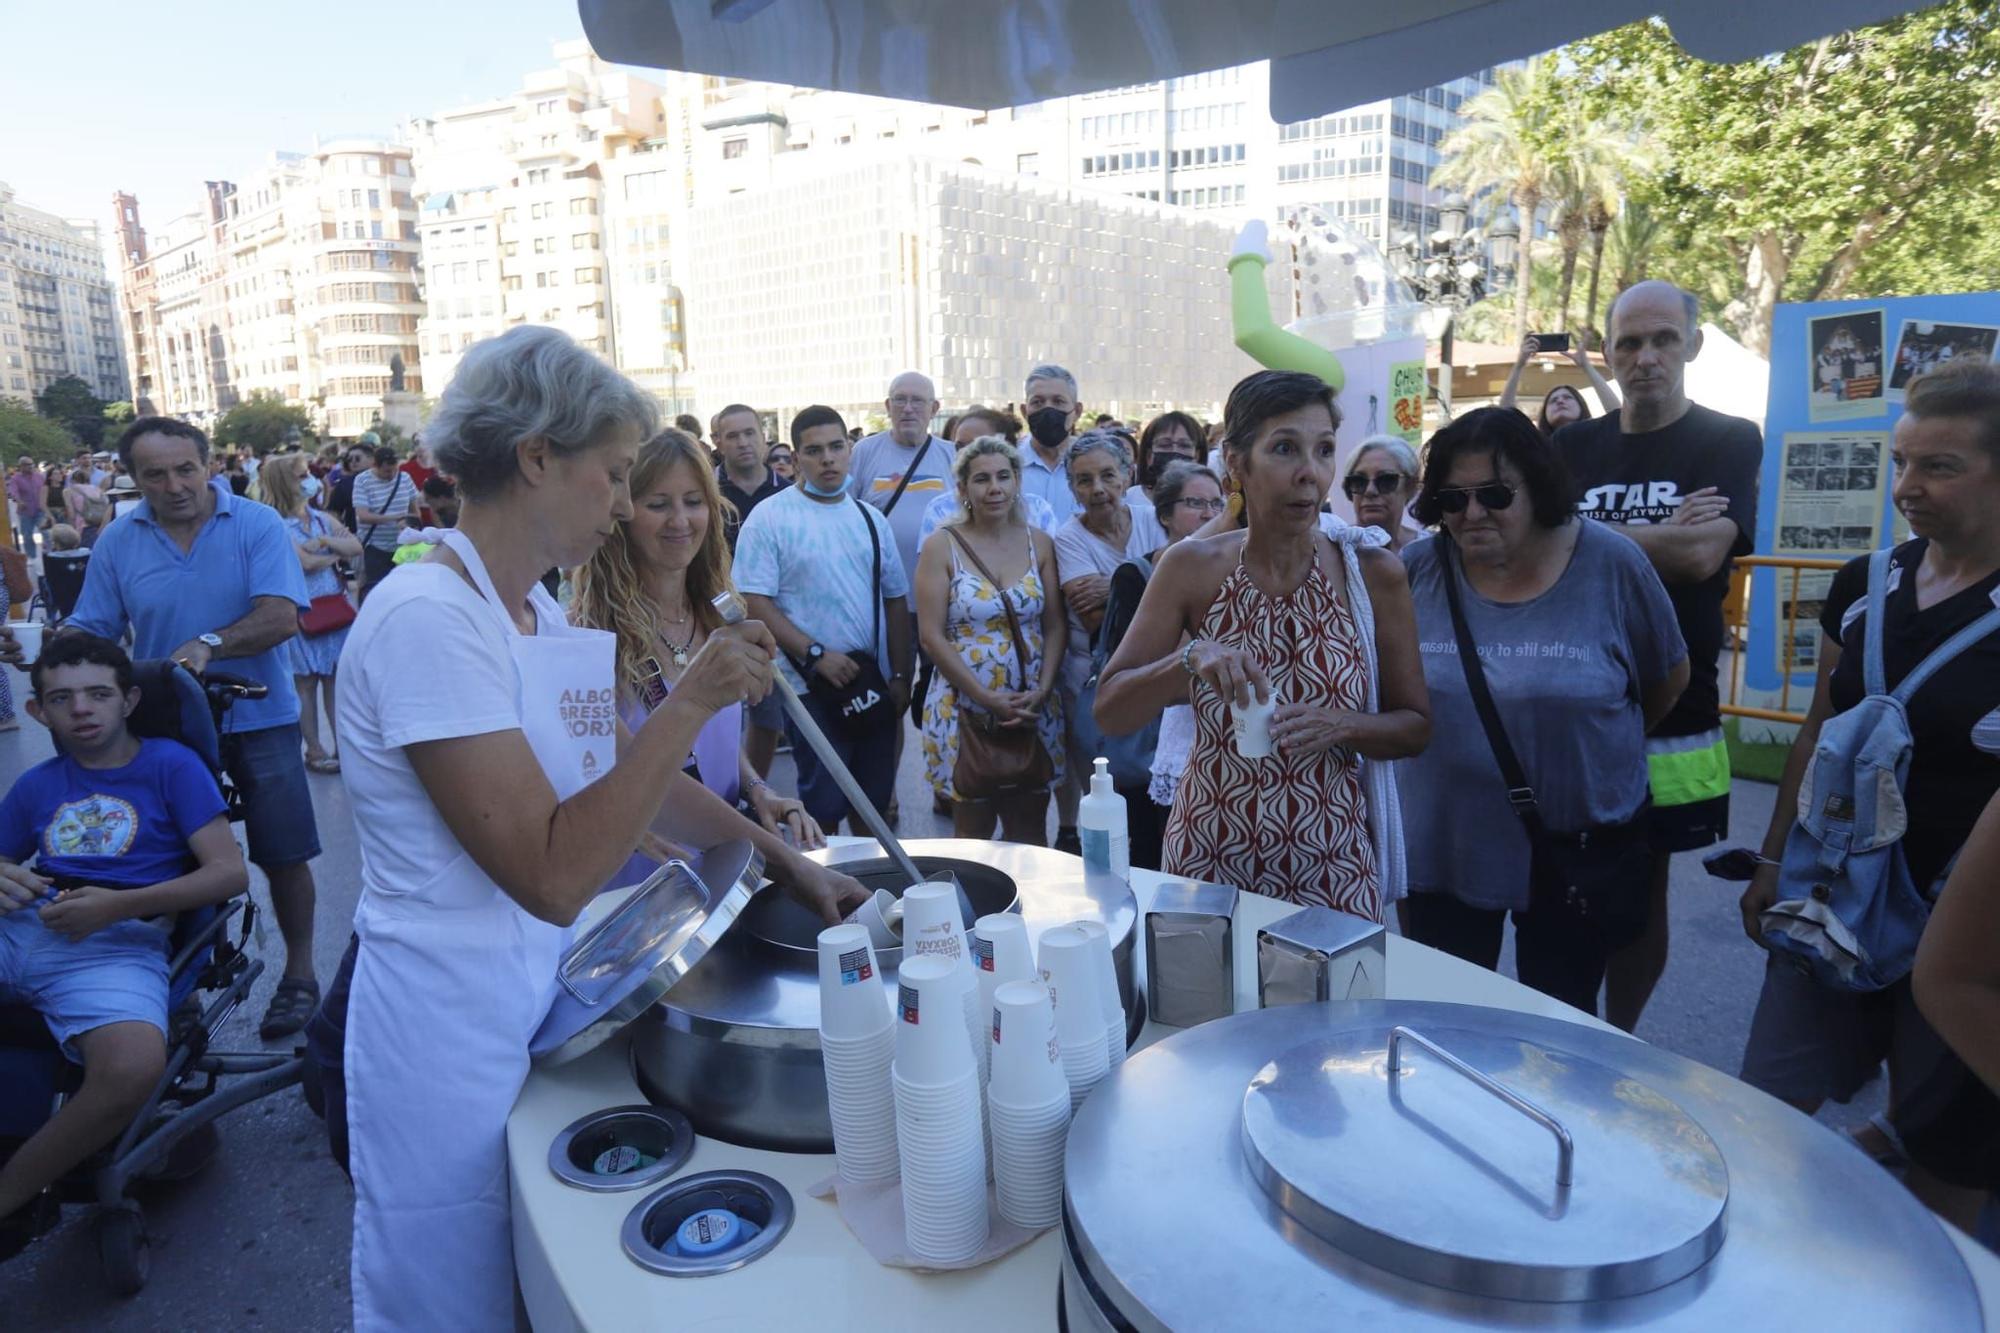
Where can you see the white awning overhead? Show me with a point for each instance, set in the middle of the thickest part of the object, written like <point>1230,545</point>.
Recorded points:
<point>1325,54</point>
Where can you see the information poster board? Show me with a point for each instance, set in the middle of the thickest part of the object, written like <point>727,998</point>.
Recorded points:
<point>1838,373</point>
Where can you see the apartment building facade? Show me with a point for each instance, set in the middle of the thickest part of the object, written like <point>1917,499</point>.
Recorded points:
<point>58,306</point>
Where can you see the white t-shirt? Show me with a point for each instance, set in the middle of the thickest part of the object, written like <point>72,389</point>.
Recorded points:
<point>426,660</point>
<point>1079,554</point>
<point>811,558</point>
<point>879,464</point>
<point>945,508</point>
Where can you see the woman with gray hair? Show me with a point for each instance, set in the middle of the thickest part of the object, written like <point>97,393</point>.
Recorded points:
<point>1381,481</point>
<point>481,733</point>
<point>991,620</point>
<point>1101,535</point>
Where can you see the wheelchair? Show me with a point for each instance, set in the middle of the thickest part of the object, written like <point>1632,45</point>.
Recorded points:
<point>60,586</point>
<point>209,975</point>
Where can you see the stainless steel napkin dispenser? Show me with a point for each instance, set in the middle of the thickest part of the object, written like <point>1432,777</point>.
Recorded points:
<point>1190,953</point>
<point>1318,954</point>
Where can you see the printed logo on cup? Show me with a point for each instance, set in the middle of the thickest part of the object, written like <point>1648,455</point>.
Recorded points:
<point>906,1002</point>
<point>1055,1050</point>
<point>996,1025</point>
<point>854,967</point>
<point>982,953</point>
<point>588,712</point>
<point>940,940</point>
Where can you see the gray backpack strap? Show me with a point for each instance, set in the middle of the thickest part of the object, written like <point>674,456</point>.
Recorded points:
<point>1873,678</point>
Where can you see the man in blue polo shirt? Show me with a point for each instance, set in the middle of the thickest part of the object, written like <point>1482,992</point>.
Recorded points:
<point>204,576</point>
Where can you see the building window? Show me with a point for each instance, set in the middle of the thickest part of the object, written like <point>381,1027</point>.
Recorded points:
<point>583,208</point>
<point>538,176</point>
<point>586,275</point>
<point>1028,164</point>
<point>734,148</point>
<point>585,240</point>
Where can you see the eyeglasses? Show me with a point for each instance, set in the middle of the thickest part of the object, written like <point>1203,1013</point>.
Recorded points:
<point>904,400</point>
<point>1201,505</point>
<point>1382,483</point>
<point>1494,495</point>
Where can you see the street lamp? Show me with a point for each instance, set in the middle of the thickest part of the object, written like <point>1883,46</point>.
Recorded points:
<point>1448,271</point>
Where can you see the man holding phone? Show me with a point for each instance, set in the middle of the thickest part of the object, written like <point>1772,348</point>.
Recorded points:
<point>1681,481</point>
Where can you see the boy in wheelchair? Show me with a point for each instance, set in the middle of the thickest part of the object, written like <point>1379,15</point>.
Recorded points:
<point>124,833</point>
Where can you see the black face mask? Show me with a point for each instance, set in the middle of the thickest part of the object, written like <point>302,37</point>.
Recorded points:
<point>1049,426</point>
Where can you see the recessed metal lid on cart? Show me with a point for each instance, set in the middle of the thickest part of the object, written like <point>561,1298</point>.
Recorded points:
<point>624,963</point>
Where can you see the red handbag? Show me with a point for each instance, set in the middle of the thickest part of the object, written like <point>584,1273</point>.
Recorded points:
<point>328,612</point>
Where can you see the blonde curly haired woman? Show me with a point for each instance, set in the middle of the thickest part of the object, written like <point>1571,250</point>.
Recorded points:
<point>983,560</point>
<point>650,584</point>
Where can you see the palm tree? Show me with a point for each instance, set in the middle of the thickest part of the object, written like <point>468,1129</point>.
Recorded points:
<point>1503,147</point>
<point>1592,157</point>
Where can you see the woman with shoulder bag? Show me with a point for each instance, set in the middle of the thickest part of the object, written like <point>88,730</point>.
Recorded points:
<point>322,543</point>
<point>990,617</point>
<point>1549,648</point>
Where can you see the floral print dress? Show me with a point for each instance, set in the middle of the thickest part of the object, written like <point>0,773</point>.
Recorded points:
<point>976,624</point>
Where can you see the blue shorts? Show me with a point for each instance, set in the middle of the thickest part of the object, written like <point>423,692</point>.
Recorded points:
<point>268,766</point>
<point>114,975</point>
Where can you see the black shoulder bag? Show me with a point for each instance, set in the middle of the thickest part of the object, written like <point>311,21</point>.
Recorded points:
<point>1601,873</point>
<point>908,473</point>
<point>859,706</point>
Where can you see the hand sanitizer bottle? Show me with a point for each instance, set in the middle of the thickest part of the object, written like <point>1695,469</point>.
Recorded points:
<point>1101,828</point>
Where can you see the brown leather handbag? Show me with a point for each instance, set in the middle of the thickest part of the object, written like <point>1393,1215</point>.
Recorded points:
<point>996,762</point>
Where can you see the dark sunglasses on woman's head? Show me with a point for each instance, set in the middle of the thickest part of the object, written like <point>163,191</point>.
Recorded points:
<point>1493,495</point>
<point>1382,483</point>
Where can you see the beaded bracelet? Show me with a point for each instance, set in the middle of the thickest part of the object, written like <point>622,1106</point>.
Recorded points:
<point>1186,654</point>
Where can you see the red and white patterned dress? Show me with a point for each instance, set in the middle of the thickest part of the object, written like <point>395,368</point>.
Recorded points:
<point>1293,828</point>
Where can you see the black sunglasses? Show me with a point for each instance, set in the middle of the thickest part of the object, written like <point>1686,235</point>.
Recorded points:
<point>1494,495</point>
<point>1382,483</point>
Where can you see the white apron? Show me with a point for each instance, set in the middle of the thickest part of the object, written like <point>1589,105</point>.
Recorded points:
<point>451,982</point>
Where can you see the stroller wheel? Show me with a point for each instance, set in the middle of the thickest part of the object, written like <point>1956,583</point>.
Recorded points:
<point>124,1253</point>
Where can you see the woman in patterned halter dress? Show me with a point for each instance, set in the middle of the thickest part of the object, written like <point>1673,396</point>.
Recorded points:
<point>1264,612</point>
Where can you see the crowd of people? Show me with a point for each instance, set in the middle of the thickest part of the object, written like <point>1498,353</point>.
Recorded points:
<point>1492,696</point>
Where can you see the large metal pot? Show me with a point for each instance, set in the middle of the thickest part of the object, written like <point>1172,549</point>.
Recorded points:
<point>735,1044</point>
<point>1282,1169</point>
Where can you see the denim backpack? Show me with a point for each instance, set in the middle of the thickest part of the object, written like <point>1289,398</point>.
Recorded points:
<point>1847,910</point>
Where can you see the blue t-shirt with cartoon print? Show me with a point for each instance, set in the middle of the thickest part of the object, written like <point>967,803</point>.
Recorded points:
<point>125,827</point>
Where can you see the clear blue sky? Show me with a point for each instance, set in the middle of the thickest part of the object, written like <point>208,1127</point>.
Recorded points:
<point>104,95</point>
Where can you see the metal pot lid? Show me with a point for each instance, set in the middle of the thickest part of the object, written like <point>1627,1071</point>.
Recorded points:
<point>625,962</point>
<point>1486,1163</point>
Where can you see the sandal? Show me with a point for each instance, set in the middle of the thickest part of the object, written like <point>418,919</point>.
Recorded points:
<point>324,764</point>
<point>291,1008</point>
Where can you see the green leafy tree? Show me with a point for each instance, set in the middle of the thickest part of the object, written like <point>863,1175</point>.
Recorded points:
<point>120,414</point>
<point>1593,156</point>
<point>26,431</point>
<point>1866,163</point>
<point>1507,144</point>
<point>260,423</point>
<point>69,400</point>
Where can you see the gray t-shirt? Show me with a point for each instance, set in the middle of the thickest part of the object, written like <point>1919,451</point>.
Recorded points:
<point>391,497</point>
<point>1566,670</point>
<point>879,464</point>
<point>1079,554</point>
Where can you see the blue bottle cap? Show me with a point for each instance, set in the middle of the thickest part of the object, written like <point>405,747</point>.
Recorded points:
<point>712,1231</point>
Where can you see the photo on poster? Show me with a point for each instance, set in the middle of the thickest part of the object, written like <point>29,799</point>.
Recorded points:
<point>1834,505</point>
<point>1799,607</point>
<point>1844,366</point>
<point>1923,345</point>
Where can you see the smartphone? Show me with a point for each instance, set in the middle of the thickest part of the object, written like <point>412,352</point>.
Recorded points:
<point>1551,342</point>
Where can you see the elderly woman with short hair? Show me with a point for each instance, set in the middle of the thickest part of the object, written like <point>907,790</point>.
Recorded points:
<point>494,793</point>
<point>1577,645</point>
<point>1381,481</point>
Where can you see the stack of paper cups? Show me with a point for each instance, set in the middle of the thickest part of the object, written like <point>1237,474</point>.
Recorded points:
<point>1028,1099</point>
<point>857,1040</point>
<point>1000,954</point>
<point>1070,973</point>
<point>933,927</point>
<point>937,1117</point>
<point>1107,990</point>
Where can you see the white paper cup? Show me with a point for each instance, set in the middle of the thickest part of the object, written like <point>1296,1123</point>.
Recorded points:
<point>1252,726</point>
<point>1069,972</point>
<point>881,915</point>
<point>852,999</point>
<point>1029,1144</point>
<point>932,923</point>
<point>931,1045</point>
<point>1000,954</point>
<point>1107,989</point>
<point>1027,1058</point>
<point>943,1166</point>
<point>27,633</point>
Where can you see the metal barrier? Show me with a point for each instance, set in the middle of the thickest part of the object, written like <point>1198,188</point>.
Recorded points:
<point>1736,622</point>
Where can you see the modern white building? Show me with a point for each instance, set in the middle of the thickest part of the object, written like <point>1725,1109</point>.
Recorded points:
<point>823,288</point>
<point>58,307</point>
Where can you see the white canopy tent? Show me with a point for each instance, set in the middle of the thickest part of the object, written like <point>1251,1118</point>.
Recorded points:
<point>1325,54</point>
<point>1728,377</point>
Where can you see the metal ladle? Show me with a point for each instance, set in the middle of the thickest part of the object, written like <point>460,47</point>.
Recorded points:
<point>734,612</point>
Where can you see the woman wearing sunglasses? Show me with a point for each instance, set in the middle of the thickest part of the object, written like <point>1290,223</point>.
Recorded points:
<point>1381,479</point>
<point>1576,643</point>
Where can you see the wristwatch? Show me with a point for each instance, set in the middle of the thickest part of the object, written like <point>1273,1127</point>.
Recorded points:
<point>213,640</point>
<point>814,652</point>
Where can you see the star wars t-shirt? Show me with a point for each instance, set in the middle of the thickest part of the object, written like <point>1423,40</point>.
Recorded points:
<point>125,827</point>
<point>1642,478</point>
